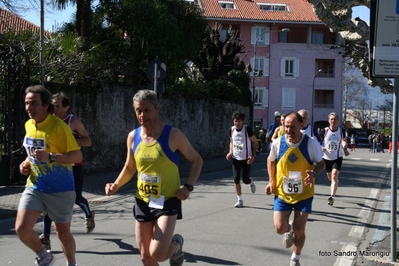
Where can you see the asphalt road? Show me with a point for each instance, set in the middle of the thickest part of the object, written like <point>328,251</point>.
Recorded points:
<point>216,233</point>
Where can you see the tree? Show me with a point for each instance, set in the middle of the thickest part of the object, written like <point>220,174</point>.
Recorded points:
<point>218,57</point>
<point>337,15</point>
<point>362,112</point>
<point>83,18</point>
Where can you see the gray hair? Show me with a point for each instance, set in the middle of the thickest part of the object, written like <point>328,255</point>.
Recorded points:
<point>333,114</point>
<point>304,112</point>
<point>148,95</point>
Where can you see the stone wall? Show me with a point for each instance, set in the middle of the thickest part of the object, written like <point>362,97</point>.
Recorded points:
<point>109,117</point>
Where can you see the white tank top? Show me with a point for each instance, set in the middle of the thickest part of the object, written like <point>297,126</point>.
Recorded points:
<point>333,144</point>
<point>242,146</point>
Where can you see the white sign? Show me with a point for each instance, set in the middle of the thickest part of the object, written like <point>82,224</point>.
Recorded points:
<point>386,41</point>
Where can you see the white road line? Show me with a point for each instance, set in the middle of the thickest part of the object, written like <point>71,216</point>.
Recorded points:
<point>349,251</point>
<point>374,159</point>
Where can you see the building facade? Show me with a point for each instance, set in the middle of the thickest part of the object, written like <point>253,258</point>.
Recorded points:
<point>293,54</point>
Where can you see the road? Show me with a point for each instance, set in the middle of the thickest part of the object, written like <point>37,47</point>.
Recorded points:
<point>216,233</point>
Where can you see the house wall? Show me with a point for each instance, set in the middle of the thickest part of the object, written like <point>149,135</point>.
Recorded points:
<point>109,117</point>
<point>303,84</point>
<point>299,46</point>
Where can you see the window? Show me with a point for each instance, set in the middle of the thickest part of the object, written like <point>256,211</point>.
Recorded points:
<point>261,97</point>
<point>261,64</point>
<point>283,36</point>
<point>289,67</point>
<point>324,99</point>
<point>289,96</point>
<point>226,5</point>
<point>264,38</point>
<point>273,7</point>
<point>317,37</point>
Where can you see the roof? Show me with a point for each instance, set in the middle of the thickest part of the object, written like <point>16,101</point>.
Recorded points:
<point>10,22</point>
<point>298,10</point>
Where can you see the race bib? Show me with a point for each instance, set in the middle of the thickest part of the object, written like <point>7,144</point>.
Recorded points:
<point>293,183</point>
<point>238,146</point>
<point>31,145</point>
<point>332,146</point>
<point>149,185</point>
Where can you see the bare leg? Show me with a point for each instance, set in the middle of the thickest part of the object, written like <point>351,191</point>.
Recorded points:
<point>24,224</point>
<point>66,239</point>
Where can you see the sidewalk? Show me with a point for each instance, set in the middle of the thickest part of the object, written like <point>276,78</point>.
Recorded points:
<point>94,183</point>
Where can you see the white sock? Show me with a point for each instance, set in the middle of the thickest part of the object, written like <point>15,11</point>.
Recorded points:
<point>295,256</point>
<point>239,197</point>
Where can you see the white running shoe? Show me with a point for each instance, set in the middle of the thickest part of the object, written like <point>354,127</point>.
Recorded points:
<point>239,204</point>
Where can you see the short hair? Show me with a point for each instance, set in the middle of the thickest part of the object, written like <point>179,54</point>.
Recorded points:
<point>143,95</point>
<point>333,114</point>
<point>45,96</point>
<point>64,99</point>
<point>297,115</point>
<point>304,111</point>
<point>238,115</point>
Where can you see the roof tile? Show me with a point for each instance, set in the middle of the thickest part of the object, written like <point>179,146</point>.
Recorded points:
<point>298,10</point>
<point>10,22</point>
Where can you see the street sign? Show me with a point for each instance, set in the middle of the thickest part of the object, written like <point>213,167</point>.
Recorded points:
<point>156,71</point>
<point>384,38</point>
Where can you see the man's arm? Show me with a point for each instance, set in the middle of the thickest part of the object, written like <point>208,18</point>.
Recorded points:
<point>271,171</point>
<point>178,141</point>
<point>78,127</point>
<point>127,172</point>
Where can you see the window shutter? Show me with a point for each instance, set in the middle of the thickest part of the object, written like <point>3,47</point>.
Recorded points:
<point>296,67</point>
<point>282,67</point>
<point>266,67</point>
<point>253,35</point>
<point>288,98</point>
<point>265,98</point>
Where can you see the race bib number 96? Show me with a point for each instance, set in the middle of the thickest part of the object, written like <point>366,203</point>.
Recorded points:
<point>293,183</point>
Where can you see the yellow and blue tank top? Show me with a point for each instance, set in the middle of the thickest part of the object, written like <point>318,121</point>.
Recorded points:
<point>291,166</point>
<point>157,166</point>
<point>52,135</point>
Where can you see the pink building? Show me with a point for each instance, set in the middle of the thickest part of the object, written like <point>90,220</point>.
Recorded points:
<point>297,65</point>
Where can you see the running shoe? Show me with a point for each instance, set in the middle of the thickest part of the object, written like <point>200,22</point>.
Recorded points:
<point>252,187</point>
<point>288,239</point>
<point>239,204</point>
<point>90,224</point>
<point>295,263</point>
<point>330,201</point>
<point>45,242</point>
<point>48,261</point>
<point>177,259</point>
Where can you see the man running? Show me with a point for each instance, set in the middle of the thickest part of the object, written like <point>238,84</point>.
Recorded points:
<point>335,145</point>
<point>153,151</point>
<point>61,110</point>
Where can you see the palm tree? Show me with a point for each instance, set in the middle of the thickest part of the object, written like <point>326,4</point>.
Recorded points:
<point>83,17</point>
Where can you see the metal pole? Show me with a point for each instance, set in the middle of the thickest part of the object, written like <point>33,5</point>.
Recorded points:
<point>394,169</point>
<point>42,70</point>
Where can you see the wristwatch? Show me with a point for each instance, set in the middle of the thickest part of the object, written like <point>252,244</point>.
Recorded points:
<point>52,157</point>
<point>189,187</point>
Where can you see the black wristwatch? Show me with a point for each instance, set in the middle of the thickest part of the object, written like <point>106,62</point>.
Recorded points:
<point>52,157</point>
<point>189,187</point>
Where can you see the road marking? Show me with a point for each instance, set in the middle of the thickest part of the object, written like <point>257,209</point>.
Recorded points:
<point>374,159</point>
<point>358,229</point>
<point>346,260</point>
<point>382,221</point>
